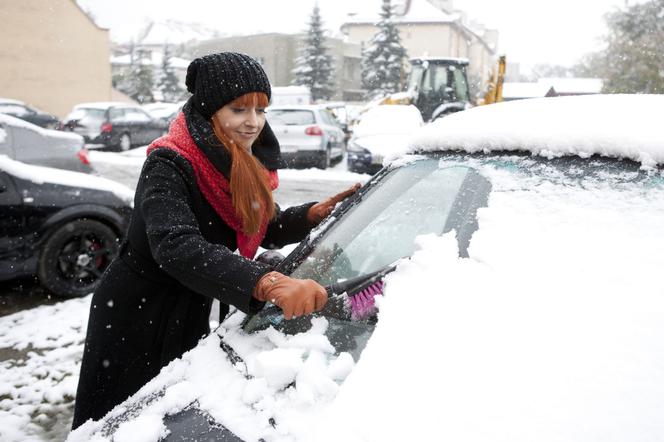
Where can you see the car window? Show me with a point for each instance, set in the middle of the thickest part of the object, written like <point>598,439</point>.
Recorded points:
<point>116,114</point>
<point>328,118</point>
<point>136,115</point>
<point>24,138</point>
<point>291,117</point>
<point>412,200</point>
<point>14,109</point>
<point>87,116</point>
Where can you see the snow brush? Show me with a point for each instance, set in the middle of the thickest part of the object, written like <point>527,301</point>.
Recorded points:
<point>360,292</point>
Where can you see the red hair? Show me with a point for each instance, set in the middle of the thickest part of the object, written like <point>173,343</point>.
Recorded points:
<point>250,189</point>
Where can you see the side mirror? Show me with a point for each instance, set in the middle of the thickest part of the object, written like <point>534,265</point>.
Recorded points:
<point>270,257</point>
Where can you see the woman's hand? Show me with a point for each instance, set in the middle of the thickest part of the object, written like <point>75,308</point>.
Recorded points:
<point>296,297</point>
<point>319,211</point>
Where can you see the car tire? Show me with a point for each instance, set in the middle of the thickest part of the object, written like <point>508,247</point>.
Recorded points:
<point>325,159</point>
<point>125,142</point>
<point>74,256</point>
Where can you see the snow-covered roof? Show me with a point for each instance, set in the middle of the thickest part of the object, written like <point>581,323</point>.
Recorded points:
<point>624,126</point>
<point>420,11</point>
<point>156,58</point>
<point>174,32</point>
<point>102,105</point>
<point>17,122</point>
<point>525,90</point>
<point>573,85</point>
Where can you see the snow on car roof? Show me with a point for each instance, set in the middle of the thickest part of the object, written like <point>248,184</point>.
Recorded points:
<point>40,175</point>
<point>623,126</point>
<point>17,122</point>
<point>10,101</point>
<point>103,105</point>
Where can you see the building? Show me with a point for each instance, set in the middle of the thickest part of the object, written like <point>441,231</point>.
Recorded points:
<point>431,28</point>
<point>277,54</point>
<point>53,55</point>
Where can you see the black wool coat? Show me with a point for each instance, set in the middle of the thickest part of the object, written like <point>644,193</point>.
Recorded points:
<point>153,302</point>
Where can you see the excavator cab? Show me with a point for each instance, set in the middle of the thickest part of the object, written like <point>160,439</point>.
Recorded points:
<point>438,86</point>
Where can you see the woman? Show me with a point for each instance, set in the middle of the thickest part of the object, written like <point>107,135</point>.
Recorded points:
<point>204,191</point>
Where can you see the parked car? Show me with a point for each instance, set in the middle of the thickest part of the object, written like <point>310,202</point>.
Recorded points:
<point>62,226</point>
<point>308,134</point>
<point>118,126</point>
<point>517,264</point>
<point>381,131</point>
<point>23,141</point>
<point>19,109</point>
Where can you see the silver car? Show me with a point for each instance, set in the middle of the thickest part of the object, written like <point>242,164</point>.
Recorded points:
<point>31,144</point>
<point>308,134</point>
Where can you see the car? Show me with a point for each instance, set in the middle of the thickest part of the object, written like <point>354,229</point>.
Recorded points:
<point>499,279</point>
<point>165,112</point>
<point>381,130</point>
<point>309,135</point>
<point>114,125</point>
<point>63,227</point>
<point>26,142</point>
<point>19,109</point>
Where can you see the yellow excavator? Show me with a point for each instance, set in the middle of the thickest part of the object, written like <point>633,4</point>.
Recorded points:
<point>438,86</point>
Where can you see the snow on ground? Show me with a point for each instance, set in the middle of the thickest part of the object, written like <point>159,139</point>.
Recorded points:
<point>40,353</point>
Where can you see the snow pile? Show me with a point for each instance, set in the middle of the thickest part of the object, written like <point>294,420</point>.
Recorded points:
<point>41,352</point>
<point>40,175</point>
<point>626,126</point>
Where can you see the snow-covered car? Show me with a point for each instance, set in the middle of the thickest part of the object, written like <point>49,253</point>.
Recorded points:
<point>308,134</point>
<point>516,273</point>
<point>62,226</point>
<point>28,143</point>
<point>381,131</point>
<point>19,109</point>
<point>114,125</point>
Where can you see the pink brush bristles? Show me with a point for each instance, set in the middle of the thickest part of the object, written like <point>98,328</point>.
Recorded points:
<point>362,304</point>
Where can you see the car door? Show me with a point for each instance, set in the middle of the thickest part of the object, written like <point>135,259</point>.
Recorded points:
<point>12,225</point>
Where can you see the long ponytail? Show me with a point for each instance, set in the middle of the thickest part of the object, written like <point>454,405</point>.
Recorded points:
<point>250,189</point>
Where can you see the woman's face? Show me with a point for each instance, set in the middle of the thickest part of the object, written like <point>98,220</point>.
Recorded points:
<point>241,123</point>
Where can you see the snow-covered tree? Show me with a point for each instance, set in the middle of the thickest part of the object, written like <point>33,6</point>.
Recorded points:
<point>137,80</point>
<point>313,67</point>
<point>633,60</point>
<point>383,58</point>
<point>168,84</point>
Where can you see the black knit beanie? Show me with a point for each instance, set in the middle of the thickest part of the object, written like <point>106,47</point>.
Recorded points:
<point>217,79</point>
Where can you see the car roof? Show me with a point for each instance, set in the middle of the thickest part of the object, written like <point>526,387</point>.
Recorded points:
<point>10,101</point>
<point>298,107</point>
<point>104,105</point>
<point>622,126</point>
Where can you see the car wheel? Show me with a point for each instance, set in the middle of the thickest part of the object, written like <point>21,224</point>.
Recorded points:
<point>75,255</point>
<point>125,142</point>
<point>325,159</point>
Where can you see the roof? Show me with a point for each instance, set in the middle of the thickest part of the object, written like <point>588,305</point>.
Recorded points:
<point>574,85</point>
<point>525,90</point>
<point>420,11</point>
<point>156,59</point>
<point>623,126</point>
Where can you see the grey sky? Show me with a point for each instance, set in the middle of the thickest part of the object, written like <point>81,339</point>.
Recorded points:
<point>557,32</point>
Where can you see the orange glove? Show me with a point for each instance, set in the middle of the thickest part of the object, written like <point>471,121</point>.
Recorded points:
<point>319,211</point>
<point>296,297</point>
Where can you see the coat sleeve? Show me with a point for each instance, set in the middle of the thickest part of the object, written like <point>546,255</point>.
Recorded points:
<point>288,226</point>
<point>180,249</point>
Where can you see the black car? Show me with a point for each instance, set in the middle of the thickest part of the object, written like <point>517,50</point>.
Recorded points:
<point>62,226</point>
<point>19,109</point>
<point>117,126</point>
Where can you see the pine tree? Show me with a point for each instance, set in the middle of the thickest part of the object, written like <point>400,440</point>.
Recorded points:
<point>313,68</point>
<point>169,85</point>
<point>633,60</point>
<point>142,79</point>
<point>383,58</point>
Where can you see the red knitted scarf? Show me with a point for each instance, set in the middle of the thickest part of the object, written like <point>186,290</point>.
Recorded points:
<point>212,183</point>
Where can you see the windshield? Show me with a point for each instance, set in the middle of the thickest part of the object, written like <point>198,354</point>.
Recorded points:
<point>413,200</point>
<point>414,78</point>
